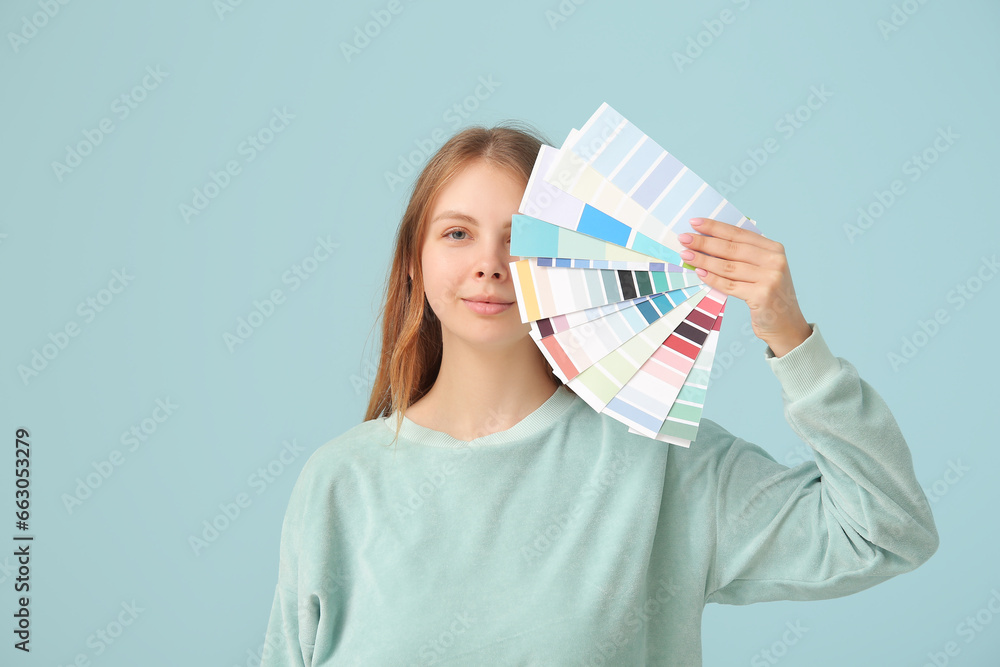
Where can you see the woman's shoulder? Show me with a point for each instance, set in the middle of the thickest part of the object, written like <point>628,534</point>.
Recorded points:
<point>711,446</point>
<point>360,436</point>
<point>346,450</point>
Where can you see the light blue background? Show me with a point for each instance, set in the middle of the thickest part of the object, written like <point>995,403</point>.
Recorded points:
<point>302,376</point>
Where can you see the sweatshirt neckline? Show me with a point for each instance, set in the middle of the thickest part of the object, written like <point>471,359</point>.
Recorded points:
<point>539,419</point>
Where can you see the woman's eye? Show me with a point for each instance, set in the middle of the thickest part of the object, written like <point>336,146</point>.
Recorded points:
<point>456,231</point>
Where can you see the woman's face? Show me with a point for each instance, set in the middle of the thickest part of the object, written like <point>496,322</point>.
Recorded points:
<point>465,257</point>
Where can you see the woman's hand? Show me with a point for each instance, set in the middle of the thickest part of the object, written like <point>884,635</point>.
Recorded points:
<point>748,266</point>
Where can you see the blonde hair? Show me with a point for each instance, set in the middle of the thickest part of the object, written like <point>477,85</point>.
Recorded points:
<point>411,334</point>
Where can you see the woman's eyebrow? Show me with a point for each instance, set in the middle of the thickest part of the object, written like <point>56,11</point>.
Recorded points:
<point>458,215</point>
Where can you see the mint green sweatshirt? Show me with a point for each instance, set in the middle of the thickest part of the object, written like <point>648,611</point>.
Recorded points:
<point>567,540</point>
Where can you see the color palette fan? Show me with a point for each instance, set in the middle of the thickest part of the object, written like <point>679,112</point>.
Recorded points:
<point>622,320</point>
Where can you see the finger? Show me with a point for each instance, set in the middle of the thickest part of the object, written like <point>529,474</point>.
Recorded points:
<point>728,286</point>
<point>725,268</point>
<point>727,249</point>
<point>733,233</point>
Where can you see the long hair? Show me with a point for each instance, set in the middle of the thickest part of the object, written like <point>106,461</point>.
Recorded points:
<point>410,357</point>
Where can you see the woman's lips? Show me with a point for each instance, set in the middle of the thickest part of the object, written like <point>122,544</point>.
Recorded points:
<point>484,308</point>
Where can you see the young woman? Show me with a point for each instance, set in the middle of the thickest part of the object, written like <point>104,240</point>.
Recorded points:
<point>511,524</point>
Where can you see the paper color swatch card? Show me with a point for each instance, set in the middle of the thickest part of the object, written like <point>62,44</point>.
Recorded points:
<point>621,319</point>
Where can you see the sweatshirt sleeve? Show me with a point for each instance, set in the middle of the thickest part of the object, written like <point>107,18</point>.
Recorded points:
<point>291,628</point>
<point>854,517</point>
<point>282,647</point>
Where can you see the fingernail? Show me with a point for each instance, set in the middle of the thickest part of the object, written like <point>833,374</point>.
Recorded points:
<point>685,238</point>
<point>687,254</point>
<point>701,272</point>
<point>695,222</point>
